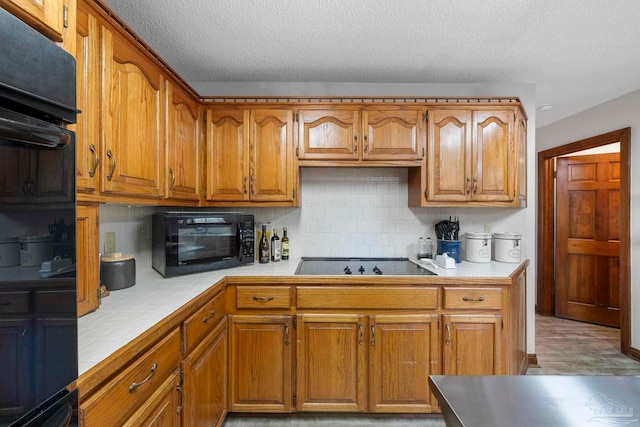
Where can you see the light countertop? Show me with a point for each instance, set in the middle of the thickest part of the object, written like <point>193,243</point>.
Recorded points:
<point>127,313</point>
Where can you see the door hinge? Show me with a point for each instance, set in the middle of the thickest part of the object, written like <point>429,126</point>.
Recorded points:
<point>555,174</point>
<point>294,193</point>
<point>502,324</point>
<point>295,322</point>
<point>295,400</point>
<point>425,117</point>
<point>424,151</point>
<point>426,194</point>
<point>296,117</point>
<point>99,292</point>
<point>297,151</point>
<point>65,16</point>
<point>438,323</point>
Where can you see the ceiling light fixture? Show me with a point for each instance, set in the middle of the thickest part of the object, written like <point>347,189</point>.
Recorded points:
<point>545,107</point>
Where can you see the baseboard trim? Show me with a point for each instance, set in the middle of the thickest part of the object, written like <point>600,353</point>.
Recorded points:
<point>532,360</point>
<point>634,353</point>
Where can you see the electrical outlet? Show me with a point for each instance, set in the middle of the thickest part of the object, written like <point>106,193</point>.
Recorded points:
<point>488,228</point>
<point>109,242</point>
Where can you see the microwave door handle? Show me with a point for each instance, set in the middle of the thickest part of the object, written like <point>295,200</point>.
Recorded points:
<point>46,135</point>
<point>239,240</point>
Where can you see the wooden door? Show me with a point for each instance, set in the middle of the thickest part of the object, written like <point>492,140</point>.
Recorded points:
<point>494,156</point>
<point>227,155</point>
<point>163,408</point>
<point>205,380</point>
<point>45,16</point>
<point>331,362</point>
<point>87,263</point>
<point>449,155</point>
<point>329,134</point>
<point>404,352</point>
<point>393,134</point>
<point>588,239</point>
<point>472,344</point>
<point>260,364</point>
<point>271,155</point>
<point>133,117</point>
<point>184,154</point>
<point>87,129</point>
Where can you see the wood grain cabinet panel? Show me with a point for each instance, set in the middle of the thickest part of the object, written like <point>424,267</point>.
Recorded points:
<point>46,16</point>
<point>472,344</point>
<point>205,380</point>
<point>404,351</point>
<point>202,322</point>
<point>393,134</point>
<point>263,297</point>
<point>87,253</point>
<point>331,361</point>
<point>133,118</point>
<point>260,363</point>
<point>184,146</point>
<point>472,298</point>
<point>163,407</point>
<point>329,134</point>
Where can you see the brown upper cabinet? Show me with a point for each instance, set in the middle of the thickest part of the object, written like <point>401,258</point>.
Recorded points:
<point>474,157</point>
<point>360,134</point>
<point>184,146</point>
<point>250,156</point>
<point>46,16</point>
<point>133,119</point>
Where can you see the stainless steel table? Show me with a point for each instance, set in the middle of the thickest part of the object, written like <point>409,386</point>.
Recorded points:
<point>538,400</point>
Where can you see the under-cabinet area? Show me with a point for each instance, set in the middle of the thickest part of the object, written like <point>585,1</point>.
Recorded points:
<point>283,344</point>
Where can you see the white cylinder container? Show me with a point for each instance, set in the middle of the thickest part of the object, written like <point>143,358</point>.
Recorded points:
<point>507,246</point>
<point>9,251</point>
<point>35,250</point>
<point>478,247</point>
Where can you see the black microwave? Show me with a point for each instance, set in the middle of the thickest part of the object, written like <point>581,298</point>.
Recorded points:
<point>192,242</point>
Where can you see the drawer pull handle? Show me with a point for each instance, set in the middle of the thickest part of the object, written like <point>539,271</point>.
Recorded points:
<point>480,299</point>
<point>286,335</point>
<point>262,299</point>
<point>113,165</point>
<point>211,316</point>
<point>373,335</point>
<point>181,393</point>
<point>96,161</point>
<point>133,387</point>
<point>447,341</point>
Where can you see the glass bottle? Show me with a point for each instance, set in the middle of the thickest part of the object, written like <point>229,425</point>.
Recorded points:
<point>263,247</point>
<point>285,244</point>
<point>275,246</point>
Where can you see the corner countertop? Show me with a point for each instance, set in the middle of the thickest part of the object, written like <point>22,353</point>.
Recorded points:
<point>127,313</point>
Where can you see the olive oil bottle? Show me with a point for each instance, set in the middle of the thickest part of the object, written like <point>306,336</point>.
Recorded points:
<point>263,247</point>
<point>275,246</point>
<point>285,244</point>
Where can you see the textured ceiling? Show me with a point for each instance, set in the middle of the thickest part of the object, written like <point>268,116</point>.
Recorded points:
<point>578,53</point>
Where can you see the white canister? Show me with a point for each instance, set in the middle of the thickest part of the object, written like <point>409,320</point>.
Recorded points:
<point>9,251</point>
<point>478,247</point>
<point>507,246</point>
<point>35,250</point>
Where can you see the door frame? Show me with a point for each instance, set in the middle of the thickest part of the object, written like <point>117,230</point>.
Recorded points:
<point>545,283</point>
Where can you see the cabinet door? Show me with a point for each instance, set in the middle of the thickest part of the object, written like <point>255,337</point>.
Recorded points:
<point>227,155</point>
<point>472,344</point>
<point>449,155</point>
<point>260,364</point>
<point>404,352</point>
<point>53,175</point>
<point>521,142</point>
<point>45,16</point>
<point>393,134</point>
<point>88,64</point>
<point>331,362</point>
<point>271,155</point>
<point>14,342</point>
<point>494,157</point>
<point>184,154</point>
<point>205,380</point>
<point>329,134</point>
<point>87,249</point>
<point>163,407</point>
<point>133,143</point>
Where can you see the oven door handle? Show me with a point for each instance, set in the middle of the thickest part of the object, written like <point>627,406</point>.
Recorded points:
<point>42,134</point>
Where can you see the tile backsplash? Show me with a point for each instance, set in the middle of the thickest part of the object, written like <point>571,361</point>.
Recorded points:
<point>344,212</point>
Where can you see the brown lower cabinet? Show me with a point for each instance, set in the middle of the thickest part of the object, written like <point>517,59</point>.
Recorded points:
<point>256,347</point>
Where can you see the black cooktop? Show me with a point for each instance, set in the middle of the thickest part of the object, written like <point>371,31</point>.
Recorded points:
<point>359,267</point>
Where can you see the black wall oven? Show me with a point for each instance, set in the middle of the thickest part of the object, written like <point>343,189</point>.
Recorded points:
<point>38,316</point>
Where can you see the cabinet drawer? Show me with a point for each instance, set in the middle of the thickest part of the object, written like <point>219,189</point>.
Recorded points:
<point>202,322</point>
<point>472,298</point>
<point>119,398</point>
<point>263,297</point>
<point>367,297</point>
<point>14,302</point>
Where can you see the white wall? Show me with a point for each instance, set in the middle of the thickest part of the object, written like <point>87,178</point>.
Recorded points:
<point>616,114</point>
<point>326,201</point>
